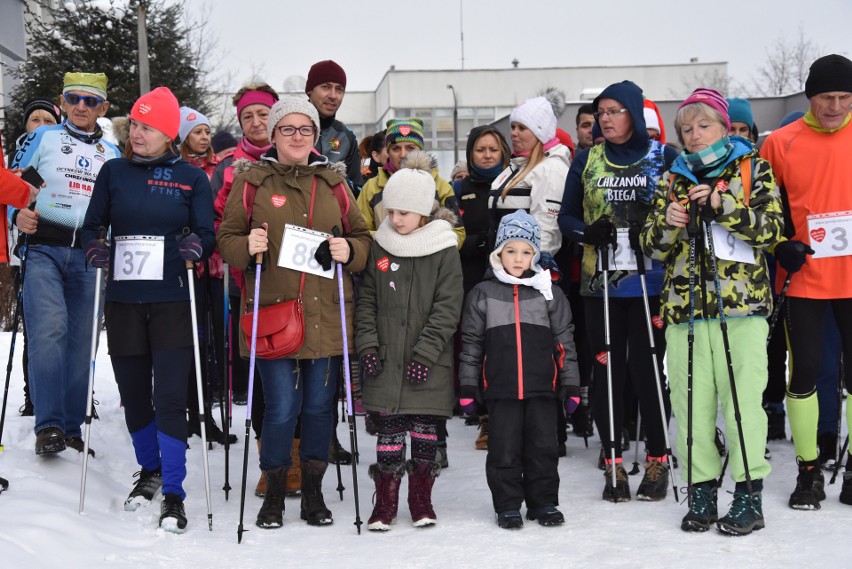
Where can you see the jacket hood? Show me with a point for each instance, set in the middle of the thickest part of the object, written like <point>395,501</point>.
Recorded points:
<point>268,165</point>
<point>630,95</point>
<point>475,134</point>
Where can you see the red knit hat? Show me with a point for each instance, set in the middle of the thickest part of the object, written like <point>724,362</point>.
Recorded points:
<point>325,72</point>
<point>158,109</point>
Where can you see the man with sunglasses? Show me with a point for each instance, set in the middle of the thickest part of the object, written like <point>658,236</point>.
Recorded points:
<point>59,290</point>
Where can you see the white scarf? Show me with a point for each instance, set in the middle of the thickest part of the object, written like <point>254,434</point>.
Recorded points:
<point>539,281</point>
<point>435,236</point>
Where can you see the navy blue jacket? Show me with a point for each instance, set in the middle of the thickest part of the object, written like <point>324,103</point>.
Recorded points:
<point>151,200</point>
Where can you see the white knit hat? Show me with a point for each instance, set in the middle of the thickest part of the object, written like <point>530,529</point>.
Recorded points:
<point>537,115</point>
<point>189,119</point>
<point>288,106</point>
<point>412,187</point>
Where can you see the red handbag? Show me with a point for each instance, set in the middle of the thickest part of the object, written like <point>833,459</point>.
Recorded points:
<point>280,328</point>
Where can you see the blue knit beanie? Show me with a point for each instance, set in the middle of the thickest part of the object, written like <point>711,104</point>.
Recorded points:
<point>519,226</point>
<point>739,110</point>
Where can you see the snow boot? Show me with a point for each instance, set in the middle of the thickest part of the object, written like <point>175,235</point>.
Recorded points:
<point>776,423</point>
<point>172,514</point>
<point>386,498</point>
<point>546,515</point>
<point>702,508</point>
<point>4,484</point>
<point>810,486</point>
<point>746,514</point>
<point>510,519</point>
<point>482,439</point>
<point>212,430</point>
<point>421,477</point>
<point>313,508</point>
<point>260,489</point>
<point>336,453</point>
<point>294,473</point>
<point>846,490</point>
<point>621,492</point>
<point>271,514</point>
<point>655,482</point>
<point>144,490</point>
<point>26,410</point>
<point>77,444</point>
<point>827,443</point>
<point>49,441</point>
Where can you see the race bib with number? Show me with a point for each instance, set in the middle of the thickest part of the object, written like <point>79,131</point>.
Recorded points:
<point>138,258</point>
<point>624,259</point>
<point>298,246</point>
<point>729,247</point>
<point>829,234</point>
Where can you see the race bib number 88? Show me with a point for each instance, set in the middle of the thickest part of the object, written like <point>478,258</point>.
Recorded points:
<point>298,246</point>
<point>139,258</point>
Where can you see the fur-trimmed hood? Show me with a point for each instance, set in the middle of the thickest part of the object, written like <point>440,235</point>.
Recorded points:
<point>268,165</point>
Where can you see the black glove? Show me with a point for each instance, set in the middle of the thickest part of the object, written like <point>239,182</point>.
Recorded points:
<point>323,255</point>
<point>371,364</point>
<point>189,247</point>
<point>792,255</point>
<point>417,372</point>
<point>600,233</point>
<point>633,234</point>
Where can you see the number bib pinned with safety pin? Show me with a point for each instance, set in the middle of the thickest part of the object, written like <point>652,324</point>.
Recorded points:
<point>138,258</point>
<point>298,246</point>
<point>624,258</point>
<point>729,247</point>
<point>829,233</point>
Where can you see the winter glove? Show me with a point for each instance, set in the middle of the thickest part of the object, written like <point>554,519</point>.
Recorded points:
<point>97,253</point>
<point>417,372</point>
<point>323,256</point>
<point>633,234</point>
<point>371,364</point>
<point>468,406</point>
<point>189,247</point>
<point>569,395</point>
<point>600,233</point>
<point>792,255</point>
<point>547,262</point>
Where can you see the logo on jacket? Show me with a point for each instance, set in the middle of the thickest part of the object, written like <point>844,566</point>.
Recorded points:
<point>66,149</point>
<point>278,201</point>
<point>657,322</point>
<point>334,144</point>
<point>383,264</point>
<point>100,148</point>
<point>601,357</point>
<point>84,163</point>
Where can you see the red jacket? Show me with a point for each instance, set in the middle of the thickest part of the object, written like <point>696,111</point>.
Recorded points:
<point>15,192</point>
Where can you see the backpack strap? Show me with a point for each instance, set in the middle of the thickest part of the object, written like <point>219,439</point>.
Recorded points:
<point>746,173</point>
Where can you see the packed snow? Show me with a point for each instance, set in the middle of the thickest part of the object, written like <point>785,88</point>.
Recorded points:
<point>40,525</point>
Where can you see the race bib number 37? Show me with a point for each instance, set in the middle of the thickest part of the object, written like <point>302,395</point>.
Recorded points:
<point>298,246</point>
<point>138,258</point>
<point>830,233</point>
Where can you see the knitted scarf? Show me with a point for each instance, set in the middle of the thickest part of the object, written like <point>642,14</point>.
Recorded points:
<point>431,238</point>
<point>709,162</point>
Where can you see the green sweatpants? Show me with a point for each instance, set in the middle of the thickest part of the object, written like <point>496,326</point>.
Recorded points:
<point>711,386</point>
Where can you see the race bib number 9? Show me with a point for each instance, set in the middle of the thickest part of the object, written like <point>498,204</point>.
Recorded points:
<point>729,247</point>
<point>298,246</point>
<point>138,258</point>
<point>624,258</point>
<point>830,234</point>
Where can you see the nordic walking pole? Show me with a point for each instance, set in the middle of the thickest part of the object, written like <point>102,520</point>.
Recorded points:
<point>723,325</point>
<point>226,367</point>
<point>640,264</point>
<point>692,232</point>
<point>252,357</point>
<point>773,318</point>
<point>635,469</point>
<point>202,408</point>
<point>604,259</point>
<point>87,427</point>
<point>19,298</point>
<point>347,376</point>
<point>840,460</point>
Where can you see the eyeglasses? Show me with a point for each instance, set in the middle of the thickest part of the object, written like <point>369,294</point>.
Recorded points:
<point>287,130</point>
<point>89,101</point>
<point>610,114</point>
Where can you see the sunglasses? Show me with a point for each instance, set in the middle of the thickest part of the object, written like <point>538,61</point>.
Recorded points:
<point>89,101</point>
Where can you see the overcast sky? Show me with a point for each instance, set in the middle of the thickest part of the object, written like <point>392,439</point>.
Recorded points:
<point>279,38</point>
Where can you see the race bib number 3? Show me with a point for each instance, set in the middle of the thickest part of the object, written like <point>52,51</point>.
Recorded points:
<point>623,258</point>
<point>830,233</point>
<point>138,258</point>
<point>298,246</point>
<point>728,246</point>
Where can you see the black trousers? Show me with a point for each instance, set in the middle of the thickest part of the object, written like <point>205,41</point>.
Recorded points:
<point>522,453</point>
<point>804,321</point>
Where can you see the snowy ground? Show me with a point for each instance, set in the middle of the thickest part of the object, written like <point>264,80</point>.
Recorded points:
<point>40,525</point>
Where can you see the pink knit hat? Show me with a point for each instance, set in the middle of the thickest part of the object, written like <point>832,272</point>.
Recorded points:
<point>711,98</point>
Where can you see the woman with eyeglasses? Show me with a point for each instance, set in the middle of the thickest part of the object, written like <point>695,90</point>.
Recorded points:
<point>608,195</point>
<point>296,201</point>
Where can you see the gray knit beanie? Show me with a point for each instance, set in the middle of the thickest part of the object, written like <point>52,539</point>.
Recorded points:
<point>519,226</point>
<point>288,106</point>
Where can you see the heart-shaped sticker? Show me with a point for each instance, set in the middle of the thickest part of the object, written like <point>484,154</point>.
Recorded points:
<point>144,109</point>
<point>382,264</point>
<point>278,201</point>
<point>601,357</point>
<point>394,266</point>
<point>657,322</point>
<point>818,234</point>
<point>191,117</point>
<point>405,130</point>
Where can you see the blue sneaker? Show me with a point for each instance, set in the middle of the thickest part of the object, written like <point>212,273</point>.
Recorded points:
<point>510,519</point>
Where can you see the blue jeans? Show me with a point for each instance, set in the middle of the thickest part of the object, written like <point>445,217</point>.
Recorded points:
<point>311,391</point>
<point>59,292</point>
